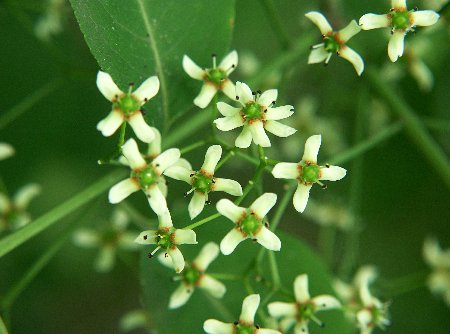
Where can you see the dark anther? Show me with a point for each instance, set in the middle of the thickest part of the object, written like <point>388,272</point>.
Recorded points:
<point>324,186</point>
<point>166,255</point>
<point>416,9</point>
<point>236,323</point>
<point>292,110</point>
<point>191,175</point>
<point>254,240</point>
<point>324,305</point>
<point>265,111</point>
<point>273,102</point>
<point>327,165</point>
<point>149,196</point>
<point>145,237</point>
<point>157,165</point>
<point>392,31</point>
<point>185,194</point>
<point>213,181</point>
<point>237,97</point>
<point>337,52</point>
<point>253,93</point>
<point>131,84</point>
<point>145,99</point>
<point>325,64</point>
<point>208,202</point>
<point>391,10</point>
<point>233,66</point>
<point>143,111</point>
<point>149,255</point>
<point>259,92</point>
<point>266,224</point>
<point>213,55</point>
<point>257,326</point>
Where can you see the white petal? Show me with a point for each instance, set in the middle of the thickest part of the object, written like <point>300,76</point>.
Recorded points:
<point>107,86</point>
<point>249,307</point>
<point>122,190</point>
<point>396,45</point>
<point>287,323</point>
<point>156,199</point>
<point>119,219</point>
<point>177,259</point>
<point>105,259</point>
<point>423,75</point>
<point>268,97</point>
<point>349,31</point>
<point>230,241</point>
<point>268,239</point>
<point>230,210</point>
<point>263,204</point>
<point>196,204</point>
<point>162,185</point>
<point>312,146</point>
<point>274,114</point>
<point>301,328</point>
<point>165,220</point>
<point>431,251</point>
<point>187,237</point>
<point>364,317</point>
<point>142,130</point>
<point>110,123</point>
<point>212,157</point>
<point>154,148</point>
<point>213,326</point>
<point>325,302</point>
<point>126,241</point>
<point>318,55</point>
<point>320,21</point>
<point>398,4</point>
<point>229,89</point>
<point>192,69</point>
<point>227,110</point>
<point>164,259</point>
<point>214,287</point>
<point>258,134</point>
<point>374,21</point>
<point>208,253</point>
<point>229,186</point>
<point>86,238</point>
<point>147,89</point>
<point>25,194</point>
<point>353,57</point>
<point>424,18</point>
<point>281,309</point>
<point>6,151</point>
<point>179,173</point>
<point>279,129</point>
<point>205,96</point>
<point>180,296</point>
<point>183,163</point>
<point>166,159</point>
<point>266,331</point>
<point>146,238</point>
<point>301,197</point>
<point>131,152</point>
<point>244,93</point>
<point>285,170</point>
<point>332,173</point>
<point>229,123</point>
<point>245,138</point>
<point>301,291</point>
<point>229,62</point>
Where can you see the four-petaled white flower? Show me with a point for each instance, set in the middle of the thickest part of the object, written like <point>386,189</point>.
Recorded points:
<point>304,308</point>
<point>126,106</point>
<point>6,150</point>
<point>249,223</point>
<point>13,214</point>
<point>109,239</point>
<point>203,181</point>
<point>194,276</point>
<point>168,238</point>
<point>307,172</point>
<point>439,260</point>
<point>215,78</point>
<point>334,42</point>
<point>256,114</point>
<point>401,21</point>
<point>246,323</point>
<point>144,175</point>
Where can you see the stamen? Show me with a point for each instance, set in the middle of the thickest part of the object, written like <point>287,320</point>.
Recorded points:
<point>236,323</point>
<point>214,60</point>
<point>237,97</point>
<point>324,186</point>
<point>317,321</point>
<point>188,192</point>
<point>150,255</point>
<point>176,278</point>
<point>327,165</point>
<point>317,46</point>
<point>130,87</point>
<point>328,58</point>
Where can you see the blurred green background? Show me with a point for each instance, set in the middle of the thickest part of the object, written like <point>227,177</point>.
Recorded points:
<point>400,199</point>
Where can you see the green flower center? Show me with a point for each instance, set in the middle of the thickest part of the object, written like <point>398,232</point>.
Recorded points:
<point>191,275</point>
<point>202,182</point>
<point>250,224</point>
<point>164,238</point>
<point>310,173</point>
<point>331,44</point>
<point>252,111</point>
<point>127,104</point>
<point>216,76</point>
<point>109,237</point>
<point>146,177</point>
<point>241,329</point>
<point>305,312</point>
<point>400,20</point>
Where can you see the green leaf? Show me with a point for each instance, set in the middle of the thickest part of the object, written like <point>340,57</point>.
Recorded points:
<point>295,258</point>
<point>135,39</point>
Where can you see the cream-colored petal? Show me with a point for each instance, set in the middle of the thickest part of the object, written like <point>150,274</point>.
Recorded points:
<point>107,86</point>
<point>282,309</point>
<point>6,150</point>
<point>229,62</point>
<point>105,259</point>
<point>229,89</point>
<point>154,147</point>
<point>301,328</point>
<point>229,186</point>
<point>166,159</point>
<point>424,18</point>
<point>212,157</point>
<point>196,204</point>
<point>110,123</point>
<point>86,238</point>
<point>422,73</point>
<point>332,173</point>
<point>301,197</point>
<point>312,147</point>
<point>165,260</point>
<point>275,114</point>
<point>279,129</point>
<point>349,31</point>
<point>266,331</point>
<point>177,259</point>
<point>142,130</point>
<point>364,318</point>
<point>301,290</point>
<point>185,237</point>
<point>318,55</point>
<point>229,123</point>
<point>267,98</point>
<point>208,253</point>
<point>206,95</point>
<point>268,239</point>
<point>156,199</point>
<point>285,170</point>
<point>25,195</point>
<point>244,139</point>
<point>320,21</point>
<point>325,302</point>
<point>192,69</point>
<point>244,93</point>
<point>398,4</point>
<point>131,152</point>
<point>263,204</point>
<point>230,210</point>
<point>165,220</point>
<point>258,134</point>
<point>230,241</point>
<point>353,57</point>
<point>180,296</point>
<point>396,45</point>
<point>122,190</point>
<point>227,110</point>
<point>119,219</point>
<point>249,307</point>
<point>147,238</point>
<point>179,173</point>
<point>214,287</point>
<point>212,326</point>
<point>148,89</point>
<point>374,21</point>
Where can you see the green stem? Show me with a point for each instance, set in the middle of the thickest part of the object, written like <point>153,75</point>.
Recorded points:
<point>405,284</point>
<point>201,222</point>
<point>274,271</point>
<point>3,329</point>
<point>413,125</point>
<point>192,147</point>
<point>123,130</point>
<point>14,240</point>
<point>437,124</point>
<point>275,22</point>
<point>226,277</point>
<point>214,112</point>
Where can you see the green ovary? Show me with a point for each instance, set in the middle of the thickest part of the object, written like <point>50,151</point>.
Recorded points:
<point>127,104</point>
<point>331,45</point>
<point>191,275</point>
<point>216,76</point>
<point>250,225</point>
<point>305,312</point>
<point>400,20</point>
<point>241,329</point>
<point>202,182</point>
<point>110,237</point>
<point>252,111</point>
<point>146,177</point>
<point>164,239</point>
<point>310,173</point>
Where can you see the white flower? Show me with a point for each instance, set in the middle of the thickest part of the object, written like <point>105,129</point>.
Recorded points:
<point>194,276</point>
<point>51,22</point>
<point>249,223</point>
<point>144,175</point>
<point>168,238</point>
<point>13,214</point>
<point>203,181</point>
<point>334,42</point>
<point>109,240</point>
<point>215,78</point>
<point>401,21</point>
<point>256,114</point>
<point>330,214</point>
<point>304,308</point>
<point>246,323</point>
<point>126,106</point>
<point>439,260</point>
<point>307,172</point>
<point>6,151</point>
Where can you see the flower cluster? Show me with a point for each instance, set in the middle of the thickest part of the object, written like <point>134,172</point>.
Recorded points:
<point>439,261</point>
